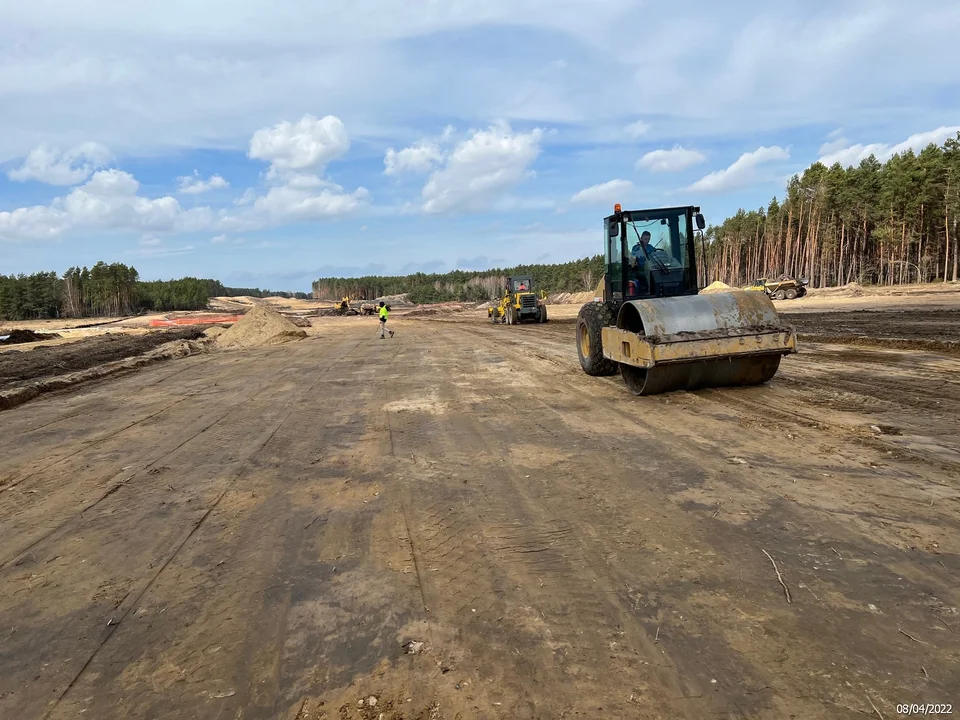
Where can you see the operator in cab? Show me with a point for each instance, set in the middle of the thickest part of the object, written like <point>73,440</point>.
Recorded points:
<point>639,262</point>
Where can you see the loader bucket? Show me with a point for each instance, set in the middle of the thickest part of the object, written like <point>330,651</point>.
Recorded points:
<point>697,341</point>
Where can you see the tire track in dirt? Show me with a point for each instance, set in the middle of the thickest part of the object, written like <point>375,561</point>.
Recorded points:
<point>268,549</point>
<point>254,449</point>
<point>95,404</point>
<point>348,413</point>
<point>126,474</point>
<point>881,574</point>
<point>478,549</point>
<point>851,434</point>
<point>120,384</point>
<point>259,446</point>
<point>534,347</point>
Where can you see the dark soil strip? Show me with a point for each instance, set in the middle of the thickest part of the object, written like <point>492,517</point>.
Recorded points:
<point>944,347</point>
<point>18,337</point>
<point>20,368</point>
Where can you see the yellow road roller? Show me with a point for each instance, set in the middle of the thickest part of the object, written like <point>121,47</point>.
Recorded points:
<point>648,321</point>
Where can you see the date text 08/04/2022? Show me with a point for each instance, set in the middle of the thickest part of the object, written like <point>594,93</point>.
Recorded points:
<point>925,709</point>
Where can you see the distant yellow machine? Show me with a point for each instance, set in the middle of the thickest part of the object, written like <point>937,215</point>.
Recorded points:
<point>785,288</point>
<point>343,307</point>
<point>519,303</point>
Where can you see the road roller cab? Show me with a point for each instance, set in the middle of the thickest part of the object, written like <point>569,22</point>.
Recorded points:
<point>649,323</point>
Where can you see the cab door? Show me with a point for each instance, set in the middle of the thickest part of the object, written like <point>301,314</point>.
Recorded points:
<point>614,257</point>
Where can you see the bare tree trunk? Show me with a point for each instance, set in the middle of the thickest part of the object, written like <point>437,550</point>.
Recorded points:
<point>920,279</point>
<point>789,266</point>
<point>843,232</point>
<point>903,251</point>
<point>946,230</point>
<point>956,265</point>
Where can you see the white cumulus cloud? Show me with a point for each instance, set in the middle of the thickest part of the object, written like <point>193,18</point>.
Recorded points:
<point>308,144</point>
<point>287,203</point>
<point>740,173</point>
<point>637,129</point>
<point>48,164</point>
<point>674,160</point>
<point>481,169</point>
<point>194,184</point>
<point>109,201</point>
<point>297,153</point>
<point>422,157</point>
<point>606,193</point>
<point>841,151</point>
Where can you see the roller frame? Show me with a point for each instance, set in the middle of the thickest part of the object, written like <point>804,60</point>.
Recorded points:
<point>630,348</point>
<point>695,341</point>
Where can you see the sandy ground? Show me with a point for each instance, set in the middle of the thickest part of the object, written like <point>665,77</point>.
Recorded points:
<point>264,533</point>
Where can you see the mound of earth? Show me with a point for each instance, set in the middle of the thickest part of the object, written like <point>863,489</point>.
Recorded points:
<point>20,367</point>
<point>212,333</point>
<point>16,337</point>
<point>716,287</point>
<point>402,300</point>
<point>258,328</point>
<point>565,298</point>
<point>299,320</point>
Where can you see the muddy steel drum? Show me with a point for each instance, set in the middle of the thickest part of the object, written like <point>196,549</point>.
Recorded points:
<point>699,341</point>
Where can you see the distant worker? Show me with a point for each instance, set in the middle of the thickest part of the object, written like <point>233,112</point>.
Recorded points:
<point>523,286</point>
<point>384,313</point>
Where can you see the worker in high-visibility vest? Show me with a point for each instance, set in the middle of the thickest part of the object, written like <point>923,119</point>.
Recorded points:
<point>384,313</point>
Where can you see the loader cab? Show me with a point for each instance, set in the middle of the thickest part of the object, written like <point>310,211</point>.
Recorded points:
<point>519,284</point>
<point>651,253</point>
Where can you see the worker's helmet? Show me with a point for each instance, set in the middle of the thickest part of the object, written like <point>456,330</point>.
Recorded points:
<point>381,303</point>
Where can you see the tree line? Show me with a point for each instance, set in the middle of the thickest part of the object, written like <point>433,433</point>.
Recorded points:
<point>109,290</point>
<point>877,223</point>
<point>465,286</point>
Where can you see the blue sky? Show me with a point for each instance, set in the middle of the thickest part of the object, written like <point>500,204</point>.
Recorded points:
<point>270,143</point>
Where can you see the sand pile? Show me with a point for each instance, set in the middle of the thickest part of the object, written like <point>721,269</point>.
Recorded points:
<point>214,332</point>
<point>258,328</point>
<point>565,298</point>
<point>402,300</point>
<point>716,287</point>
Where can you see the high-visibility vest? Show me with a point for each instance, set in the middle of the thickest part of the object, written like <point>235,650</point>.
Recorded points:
<point>383,313</point>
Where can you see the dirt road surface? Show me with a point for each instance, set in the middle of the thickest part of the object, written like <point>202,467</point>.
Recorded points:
<point>274,533</point>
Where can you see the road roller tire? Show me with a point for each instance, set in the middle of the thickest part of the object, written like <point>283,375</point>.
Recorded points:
<point>695,376</point>
<point>543,314</point>
<point>592,319</point>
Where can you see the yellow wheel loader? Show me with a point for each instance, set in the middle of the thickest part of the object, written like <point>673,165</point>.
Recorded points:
<point>648,321</point>
<point>785,288</point>
<point>343,307</point>
<point>519,303</point>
